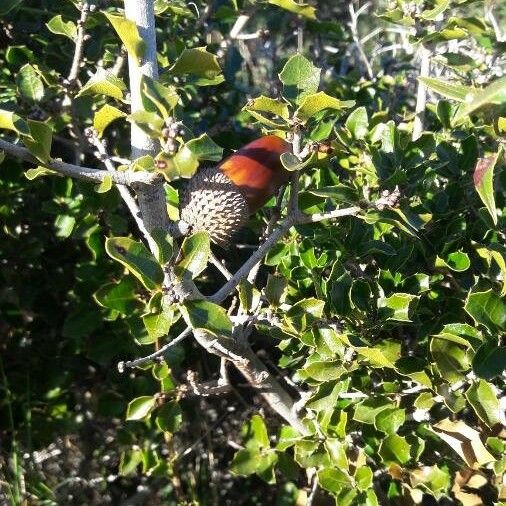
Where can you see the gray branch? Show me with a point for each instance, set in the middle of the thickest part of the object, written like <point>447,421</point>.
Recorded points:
<point>127,177</point>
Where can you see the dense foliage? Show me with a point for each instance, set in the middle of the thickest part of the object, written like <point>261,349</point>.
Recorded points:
<point>386,325</point>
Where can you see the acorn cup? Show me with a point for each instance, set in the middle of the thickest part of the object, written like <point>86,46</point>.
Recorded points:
<point>220,199</point>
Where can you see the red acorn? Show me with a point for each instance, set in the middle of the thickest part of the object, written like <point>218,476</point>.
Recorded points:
<point>220,199</point>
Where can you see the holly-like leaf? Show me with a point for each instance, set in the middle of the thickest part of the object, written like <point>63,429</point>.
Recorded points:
<point>40,139</point>
<point>140,407</point>
<point>197,61</point>
<point>313,104</point>
<point>398,306</point>
<point>137,259</point>
<point>483,399</point>
<point>301,9</point>
<point>395,449</point>
<point>195,253</point>
<point>358,123</point>
<point>105,116</point>
<point>486,308</point>
<point>11,121</point>
<point>200,314</point>
<point>117,296</point>
<point>129,34</point>
<point>483,178</point>
<point>57,26</point>
<point>300,78</point>
<point>29,83</point>
<point>157,97</point>
<point>103,83</point>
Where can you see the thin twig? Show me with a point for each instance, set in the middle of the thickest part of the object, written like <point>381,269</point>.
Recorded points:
<point>158,353</point>
<point>354,33</point>
<point>79,44</point>
<point>213,260</point>
<point>127,177</point>
<point>127,197</point>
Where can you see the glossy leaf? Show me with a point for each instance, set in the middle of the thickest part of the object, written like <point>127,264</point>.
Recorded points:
<point>137,259</point>
<point>129,34</point>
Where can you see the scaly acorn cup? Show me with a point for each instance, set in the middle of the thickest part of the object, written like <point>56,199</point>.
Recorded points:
<point>220,199</point>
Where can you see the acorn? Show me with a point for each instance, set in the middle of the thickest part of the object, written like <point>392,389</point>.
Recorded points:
<point>220,199</point>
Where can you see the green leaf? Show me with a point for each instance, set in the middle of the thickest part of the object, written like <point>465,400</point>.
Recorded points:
<point>105,116</point>
<point>57,26</point>
<point>149,122</point>
<point>300,9</point>
<point>64,225</point>
<point>158,325</point>
<point>32,174</point>
<point>323,371</point>
<point>105,185</point>
<point>363,478</point>
<point>311,105</point>
<point>158,97</point>
<point>129,34</point>
<point>274,106</point>
<point>195,253</point>
<point>395,449</point>
<point>300,78</point>
<point>389,420</point>
<point>385,357</point>
<point>440,7</point>
<point>204,148</point>
<point>292,163</point>
<point>304,313</point>
<point>334,480</point>
<point>358,123</point>
<point>140,407</point>
<point>29,83</point>
<point>40,140</point>
<point>489,361</point>
<point>451,358</point>
<point>169,417</point>
<point>486,308</point>
<point>200,314</point>
<point>245,462</point>
<point>448,89</point>
<point>457,261</point>
<point>197,61</point>
<point>483,178</point>
<point>103,83</point>
<point>275,290</point>
<point>367,410</point>
<point>397,306</point>
<point>117,296</point>
<point>11,121</point>
<point>494,93</point>
<point>137,259</point>
<point>483,398</point>
<point>164,246</point>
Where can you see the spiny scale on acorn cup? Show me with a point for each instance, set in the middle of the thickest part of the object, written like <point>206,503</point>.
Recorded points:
<point>220,199</point>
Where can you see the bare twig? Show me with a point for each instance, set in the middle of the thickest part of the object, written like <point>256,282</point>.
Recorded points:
<point>79,44</point>
<point>127,177</point>
<point>353,24</point>
<point>127,197</point>
<point>153,356</point>
<point>216,262</point>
